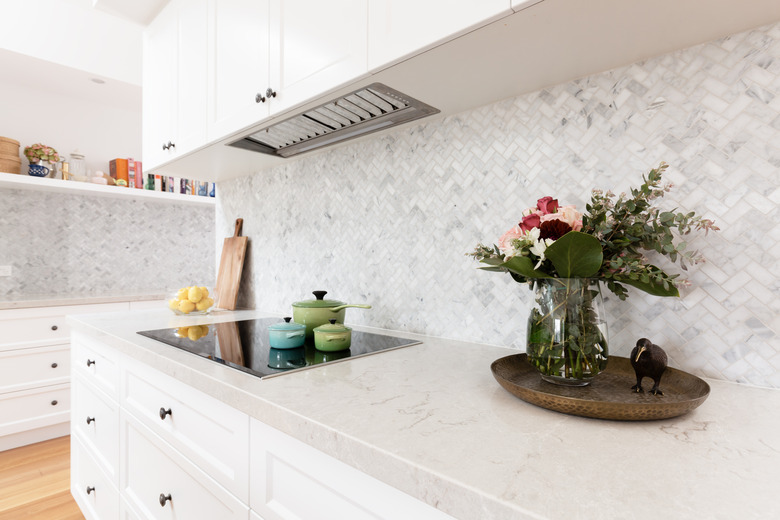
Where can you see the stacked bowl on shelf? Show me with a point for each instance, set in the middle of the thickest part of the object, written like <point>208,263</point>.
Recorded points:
<point>10,162</point>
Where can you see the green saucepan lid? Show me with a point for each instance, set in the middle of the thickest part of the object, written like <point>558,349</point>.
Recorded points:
<point>319,302</point>
<point>332,327</point>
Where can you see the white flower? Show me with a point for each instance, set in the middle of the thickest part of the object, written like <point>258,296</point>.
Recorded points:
<point>539,247</point>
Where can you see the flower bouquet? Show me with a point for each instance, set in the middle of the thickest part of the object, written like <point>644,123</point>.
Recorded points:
<point>565,254</point>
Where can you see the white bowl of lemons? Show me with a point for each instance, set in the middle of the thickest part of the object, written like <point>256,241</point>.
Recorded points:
<point>192,300</point>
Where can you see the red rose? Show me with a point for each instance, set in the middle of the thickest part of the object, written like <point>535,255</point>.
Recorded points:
<point>547,205</point>
<point>529,222</point>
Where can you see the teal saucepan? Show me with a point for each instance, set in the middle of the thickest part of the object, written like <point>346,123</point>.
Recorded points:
<point>285,334</point>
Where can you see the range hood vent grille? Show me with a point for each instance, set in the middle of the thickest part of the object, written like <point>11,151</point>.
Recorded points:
<point>363,111</point>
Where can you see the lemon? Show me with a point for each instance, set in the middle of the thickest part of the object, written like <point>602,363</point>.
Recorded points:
<point>182,331</point>
<point>182,294</point>
<point>205,329</point>
<point>195,294</point>
<point>195,333</point>
<point>204,291</point>
<point>204,304</point>
<point>186,306</point>
<point>173,304</point>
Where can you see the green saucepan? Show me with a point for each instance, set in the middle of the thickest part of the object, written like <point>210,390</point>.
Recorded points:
<point>332,337</point>
<point>313,313</point>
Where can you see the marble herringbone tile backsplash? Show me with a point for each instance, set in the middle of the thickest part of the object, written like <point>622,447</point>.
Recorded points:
<point>75,246</point>
<point>388,220</point>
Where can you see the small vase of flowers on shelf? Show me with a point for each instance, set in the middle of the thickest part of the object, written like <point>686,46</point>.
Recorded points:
<point>41,158</point>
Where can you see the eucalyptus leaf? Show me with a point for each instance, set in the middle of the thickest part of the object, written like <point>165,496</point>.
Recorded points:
<point>575,255</point>
<point>650,287</point>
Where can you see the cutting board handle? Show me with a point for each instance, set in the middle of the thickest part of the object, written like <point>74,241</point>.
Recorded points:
<point>239,225</point>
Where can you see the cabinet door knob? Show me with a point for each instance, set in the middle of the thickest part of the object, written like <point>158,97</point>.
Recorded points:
<point>90,419</point>
<point>54,403</point>
<point>164,499</point>
<point>270,92</point>
<point>259,98</point>
<point>90,489</point>
<point>90,362</point>
<point>54,365</point>
<point>54,327</point>
<point>164,412</point>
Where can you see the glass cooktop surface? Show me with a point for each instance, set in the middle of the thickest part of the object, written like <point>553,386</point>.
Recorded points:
<point>244,345</point>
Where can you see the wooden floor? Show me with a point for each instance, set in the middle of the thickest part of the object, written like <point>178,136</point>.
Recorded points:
<point>35,482</point>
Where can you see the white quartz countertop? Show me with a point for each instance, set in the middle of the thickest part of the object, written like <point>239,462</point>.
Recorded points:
<point>47,300</point>
<point>432,421</point>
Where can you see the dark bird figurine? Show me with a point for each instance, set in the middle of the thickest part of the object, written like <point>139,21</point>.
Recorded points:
<point>648,360</point>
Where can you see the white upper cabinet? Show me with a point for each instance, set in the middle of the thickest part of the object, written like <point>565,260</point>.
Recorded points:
<point>238,65</point>
<point>315,47</point>
<point>175,82</point>
<point>398,29</point>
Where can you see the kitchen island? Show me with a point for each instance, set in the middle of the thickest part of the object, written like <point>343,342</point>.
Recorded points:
<point>431,421</point>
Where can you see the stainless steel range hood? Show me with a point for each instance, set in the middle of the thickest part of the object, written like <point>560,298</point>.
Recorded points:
<point>369,109</point>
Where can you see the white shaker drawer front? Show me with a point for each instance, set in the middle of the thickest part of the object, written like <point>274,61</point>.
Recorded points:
<point>30,409</point>
<point>96,418</point>
<point>292,480</point>
<point>160,483</point>
<point>41,330</point>
<point>34,367</point>
<point>95,495</point>
<point>96,363</point>
<point>210,433</point>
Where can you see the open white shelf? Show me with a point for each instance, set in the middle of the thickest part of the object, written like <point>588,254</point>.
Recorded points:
<point>26,182</point>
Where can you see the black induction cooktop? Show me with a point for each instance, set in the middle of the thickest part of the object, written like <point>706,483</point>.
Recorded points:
<point>244,345</point>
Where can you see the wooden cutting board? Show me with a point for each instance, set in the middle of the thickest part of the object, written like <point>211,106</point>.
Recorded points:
<point>230,266</point>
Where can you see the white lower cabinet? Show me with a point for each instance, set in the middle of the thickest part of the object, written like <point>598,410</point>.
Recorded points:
<point>161,483</point>
<point>93,491</point>
<point>292,480</point>
<point>147,446</point>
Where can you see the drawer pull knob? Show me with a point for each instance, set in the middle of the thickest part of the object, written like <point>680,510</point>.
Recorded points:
<point>164,412</point>
<point>259,98</point>
<point>90,489</point>
<point>164,499</point>
<point>54,403</point>
<point>90,362</point>
<point>270,92</point>
<point>53,327</point>
<point>90,419</point>
<point>54,365</point>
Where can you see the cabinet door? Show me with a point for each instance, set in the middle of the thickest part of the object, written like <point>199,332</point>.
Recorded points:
<point>284,469</point>
<point>159,86</point>
<point>160,483</point>
<point>192,80</point>
<point>34,367</point>
<point>238,68</point>
<point>399,29</point>
<point>315,47</point>
<point>95,493</point>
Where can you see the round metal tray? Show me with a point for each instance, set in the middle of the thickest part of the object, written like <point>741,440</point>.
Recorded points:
<point>609,396</point>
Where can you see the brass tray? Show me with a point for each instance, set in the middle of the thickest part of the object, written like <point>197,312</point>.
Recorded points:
<point>608,396</point>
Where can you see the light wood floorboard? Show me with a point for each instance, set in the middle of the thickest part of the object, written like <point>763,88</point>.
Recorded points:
<point>35,482</point>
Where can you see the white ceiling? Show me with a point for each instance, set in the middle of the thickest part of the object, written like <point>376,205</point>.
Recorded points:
<point>137,11</point>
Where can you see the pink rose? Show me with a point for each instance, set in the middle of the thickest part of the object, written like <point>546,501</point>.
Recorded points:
<point>529,222</point>
<point>505,242</point>
<point>547,205</point>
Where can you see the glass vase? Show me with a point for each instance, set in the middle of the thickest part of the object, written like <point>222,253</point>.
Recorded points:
<point>567,330</point>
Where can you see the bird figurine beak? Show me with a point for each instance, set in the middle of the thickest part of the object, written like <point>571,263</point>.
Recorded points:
<point>641,349</point>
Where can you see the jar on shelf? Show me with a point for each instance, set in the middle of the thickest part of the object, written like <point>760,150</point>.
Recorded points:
<point>78,166</point>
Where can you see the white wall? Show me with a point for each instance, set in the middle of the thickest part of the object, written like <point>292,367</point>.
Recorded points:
<point>73,35</point>
<point>388,220</point>
<point>101,131</point>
